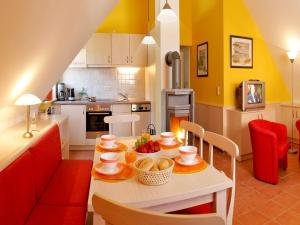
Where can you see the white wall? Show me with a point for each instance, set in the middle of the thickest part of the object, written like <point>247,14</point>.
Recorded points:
<point>158,73</point>
<point>106,82</point>
<point>279,23</point>
<point>39,39</point>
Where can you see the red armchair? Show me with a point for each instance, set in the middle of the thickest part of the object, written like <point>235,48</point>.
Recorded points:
<point>269,147</point>
<point>298,128</point>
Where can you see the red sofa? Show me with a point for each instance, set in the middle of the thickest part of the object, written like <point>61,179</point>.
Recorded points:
<point>269,147</point>
<point>39,188</point>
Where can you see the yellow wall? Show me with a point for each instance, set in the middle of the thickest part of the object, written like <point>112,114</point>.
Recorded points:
<point>129,16</point>
<point>207,26</point>
<point>186,23</point>
<point>238,21</point>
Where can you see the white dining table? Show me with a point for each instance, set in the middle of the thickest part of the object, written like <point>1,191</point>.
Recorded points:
<point>182,190</point>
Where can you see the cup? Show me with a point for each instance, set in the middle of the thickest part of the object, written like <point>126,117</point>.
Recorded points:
<point>108,140</point>
<point>130,156</point>
<point>188,153</point>
<point>167,137</point>
<point>109,160</point>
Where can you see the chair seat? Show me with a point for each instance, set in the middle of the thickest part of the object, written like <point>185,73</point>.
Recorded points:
<point>52,215</point>
<point>199,209</point>
<point>70,184</point>
<point>283,148</point>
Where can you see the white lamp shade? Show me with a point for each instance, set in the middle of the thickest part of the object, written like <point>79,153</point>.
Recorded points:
<point>167,15</point>
<point>28,99</point>
<point>148,40</point>
<point>292,54</point>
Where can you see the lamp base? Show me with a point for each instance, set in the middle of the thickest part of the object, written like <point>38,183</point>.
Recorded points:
<point>27,135</point>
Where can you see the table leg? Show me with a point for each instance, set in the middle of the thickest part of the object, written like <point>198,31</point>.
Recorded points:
<point>221,203</point>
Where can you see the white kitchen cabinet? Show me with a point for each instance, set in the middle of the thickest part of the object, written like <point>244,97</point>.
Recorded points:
<point>138,51</point>
<point>141,125</point>
<point>237,127</point>
<point>121,129</point>
<point>76,123</point>
<point>99,50</point>
<point>79,60</point>
<point>120,49</point>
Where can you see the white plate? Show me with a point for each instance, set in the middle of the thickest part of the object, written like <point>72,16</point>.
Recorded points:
<point>169,143</point>
<point>179,160</point>
<point>109,147</point>
<point>117,170</point>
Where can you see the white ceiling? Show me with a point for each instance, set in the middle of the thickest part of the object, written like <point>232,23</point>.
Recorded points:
<point>279,23</point>
<point>40,38</point>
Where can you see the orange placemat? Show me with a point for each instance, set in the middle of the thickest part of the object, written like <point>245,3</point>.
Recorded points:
<point>190,169</point>
<point>170,147</point>
<point>120,148</point>
<point>125,174</point>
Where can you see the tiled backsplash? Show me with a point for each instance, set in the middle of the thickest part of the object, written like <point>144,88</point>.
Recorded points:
<point>106,82</point>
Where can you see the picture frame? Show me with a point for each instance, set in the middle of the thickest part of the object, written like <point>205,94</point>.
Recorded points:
<point>202,60</point>
<point>241,52</point>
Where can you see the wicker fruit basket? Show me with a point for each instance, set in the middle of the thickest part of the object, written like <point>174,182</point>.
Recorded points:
<point>154,178</point>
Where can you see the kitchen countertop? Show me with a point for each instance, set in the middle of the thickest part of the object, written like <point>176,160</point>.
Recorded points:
<point>103,101</point>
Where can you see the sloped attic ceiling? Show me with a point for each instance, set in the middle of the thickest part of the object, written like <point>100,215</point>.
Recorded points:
<point>279,23</point>
<point>40,38</point>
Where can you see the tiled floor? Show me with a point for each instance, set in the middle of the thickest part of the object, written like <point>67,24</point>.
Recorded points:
<point>256,202</point>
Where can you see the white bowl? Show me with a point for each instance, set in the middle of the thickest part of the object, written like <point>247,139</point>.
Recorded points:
<point>108,140</point>
<point>109,160</point>
<point>188,153</point>
<point>167,137</point>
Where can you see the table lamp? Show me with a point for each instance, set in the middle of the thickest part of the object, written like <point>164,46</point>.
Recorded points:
<point>28,100</point>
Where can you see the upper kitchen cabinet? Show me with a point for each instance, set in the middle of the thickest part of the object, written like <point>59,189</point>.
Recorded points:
<point>138,51</point>
<point>120,49</point>
<point>99,50</point>
<point>80,59</point>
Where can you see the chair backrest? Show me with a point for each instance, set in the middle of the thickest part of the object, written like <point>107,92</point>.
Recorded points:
<point>126,118</point>
<point>196,129</point>
<point>118,214</point>
<point>232,149</point>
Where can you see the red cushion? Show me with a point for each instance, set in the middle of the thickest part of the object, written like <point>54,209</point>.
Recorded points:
<point>199,209</point>
<point>70,184</point>
<point>52,215</point>
<point>46,155</point>
<point>17,191</point>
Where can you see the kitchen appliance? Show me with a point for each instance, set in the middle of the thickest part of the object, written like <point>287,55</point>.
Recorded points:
<point>71,94</point>
<point>144,111</point>
<point>95,125</point>
<point>151,129</point>
<point>60,93</point>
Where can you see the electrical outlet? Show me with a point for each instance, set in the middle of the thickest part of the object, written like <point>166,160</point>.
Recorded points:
<point>218,90</point>
<point>107,88</point>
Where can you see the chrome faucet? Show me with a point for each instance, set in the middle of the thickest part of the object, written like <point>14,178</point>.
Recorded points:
<point>124,96</point>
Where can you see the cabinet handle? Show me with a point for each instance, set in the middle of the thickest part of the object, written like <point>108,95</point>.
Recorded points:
<point>83,112</point>
<point>127,59</point>
<point>108,59</point>
<point>262,117</point>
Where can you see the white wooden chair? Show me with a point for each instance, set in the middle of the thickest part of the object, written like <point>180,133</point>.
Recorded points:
<point>118,214</point>
<point>196,129</point>
<point>126,118</point>
<point>231,148</point>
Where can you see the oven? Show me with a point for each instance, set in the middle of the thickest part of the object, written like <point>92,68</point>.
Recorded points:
<point>95,125</point>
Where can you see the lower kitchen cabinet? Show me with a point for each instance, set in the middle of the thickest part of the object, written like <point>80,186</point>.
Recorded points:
<point>76,123</point>
<point>288,116</point>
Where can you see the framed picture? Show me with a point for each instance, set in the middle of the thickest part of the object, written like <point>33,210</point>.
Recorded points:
<point>202,60</point>
<point>241,52</point>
